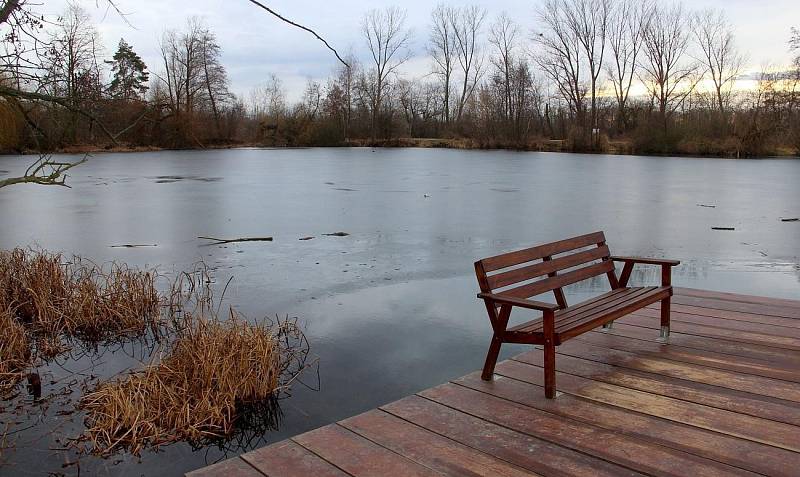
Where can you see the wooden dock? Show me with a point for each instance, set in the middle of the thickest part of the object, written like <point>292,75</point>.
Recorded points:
<point>722,398</point>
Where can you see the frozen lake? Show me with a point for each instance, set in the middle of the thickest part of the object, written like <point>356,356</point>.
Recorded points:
<point>390,308</point>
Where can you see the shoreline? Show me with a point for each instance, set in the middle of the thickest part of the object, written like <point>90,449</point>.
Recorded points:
<point>619,148</point>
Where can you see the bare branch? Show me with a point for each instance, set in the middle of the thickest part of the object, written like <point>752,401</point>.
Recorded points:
<point>273,12</point>
<point>45,171</point>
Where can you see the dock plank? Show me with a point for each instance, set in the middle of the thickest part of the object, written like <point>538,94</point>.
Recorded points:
<point>736,297</point>
<point>679,310</point>
<point>358,456</point>
<point>728,323</point>
<point>712,332</point>
<point>690,391</point>
<point>702,343</point>
<point>646,457</point>
<point>289,459</point>
<point>526,451</point>
<point>235,467</point>
<point>648,401</point>
<point>742,453</point>
<point>427,448</point>
<point>769,309</point>
<point>711,359</point>
<point>750,383</point>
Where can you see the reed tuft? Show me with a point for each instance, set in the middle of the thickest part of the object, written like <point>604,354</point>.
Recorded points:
<point>15,351</point>
<point>212,370</point>
<point>56,298</point>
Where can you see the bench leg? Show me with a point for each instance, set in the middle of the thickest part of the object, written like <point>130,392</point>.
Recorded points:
<point>607,326</point>
<point>665,308</point>
<point>491,358</point>
<point>549,371</point>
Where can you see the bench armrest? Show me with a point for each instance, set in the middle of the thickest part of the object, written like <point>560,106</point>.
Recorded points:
<point>666,268</point>
<point>520,302</point>
<point>648,261</point>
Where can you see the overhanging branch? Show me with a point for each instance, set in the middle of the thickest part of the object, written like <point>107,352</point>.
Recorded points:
<point>273,12</point>
<point>45,171</point>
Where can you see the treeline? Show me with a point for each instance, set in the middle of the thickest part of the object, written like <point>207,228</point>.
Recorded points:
<point>581,75</point>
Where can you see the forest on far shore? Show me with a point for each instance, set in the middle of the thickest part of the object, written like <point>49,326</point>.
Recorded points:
<point>620,76</point>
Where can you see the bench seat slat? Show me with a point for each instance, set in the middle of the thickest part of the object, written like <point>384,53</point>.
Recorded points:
<point>619,293</point>
<point>621,310</point>
<point>590,306</point>
<point>543,268</point>
<point>600,309</point>
<point>505,260</point>
<point>609,306</point>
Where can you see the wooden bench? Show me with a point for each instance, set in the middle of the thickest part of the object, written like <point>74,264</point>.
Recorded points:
<point>511,279</point>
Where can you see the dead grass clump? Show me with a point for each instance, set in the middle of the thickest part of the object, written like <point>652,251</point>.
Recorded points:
<point>57,298</point>
<point>15,352</point>
<point>35,285</point>
<point>212,370</point>
<point>108,303</point>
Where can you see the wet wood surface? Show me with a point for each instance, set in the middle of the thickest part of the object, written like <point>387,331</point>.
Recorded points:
<point>722,397</point>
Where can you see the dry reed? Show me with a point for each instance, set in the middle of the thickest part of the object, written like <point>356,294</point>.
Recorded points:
<point>213,369</point>
<point>56,298</point>
<point>15,352</point>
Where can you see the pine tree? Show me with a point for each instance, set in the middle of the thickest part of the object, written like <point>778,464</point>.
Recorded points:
<point>130,74</point>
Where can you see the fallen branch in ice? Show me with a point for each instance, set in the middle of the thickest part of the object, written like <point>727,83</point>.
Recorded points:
<point>243,239</point>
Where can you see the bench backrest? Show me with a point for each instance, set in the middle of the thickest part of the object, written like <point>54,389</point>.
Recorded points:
<point>536,270</point>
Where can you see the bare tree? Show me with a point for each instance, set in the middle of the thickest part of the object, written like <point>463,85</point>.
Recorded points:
<point>312,100</point>
<point>193,74</point>
<point>189,61</point>
<point>442,48</point>
<point>713,35</point>
<point>268,100</point>
<point>171,78</point>
<point>387,39</point>
<point>340,93</point>
<point>215,77</point>
<point>70,64</point>
<point>466,24</point>
<point>666,72</point>
<point>627,25</point>
<point>588,19</point>
<point>794,45</point>
<point>504,36</point>
<point>559,55</point>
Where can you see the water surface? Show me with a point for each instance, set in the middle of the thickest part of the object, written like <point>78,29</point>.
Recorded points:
<point>390,308</point>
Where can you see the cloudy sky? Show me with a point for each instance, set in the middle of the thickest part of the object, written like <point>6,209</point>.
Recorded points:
<point>255,44</point>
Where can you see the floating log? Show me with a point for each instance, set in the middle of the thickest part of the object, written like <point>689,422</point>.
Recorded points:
<point>337,234</point>
<point>707,205</point>
<point>242,239</point>
<point>722,228</point>
<point>305,238</point>
<point>134,245</point>
<point>793,219</point>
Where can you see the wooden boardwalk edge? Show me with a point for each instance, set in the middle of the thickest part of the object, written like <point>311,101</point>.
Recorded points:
<point>722,398</point>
